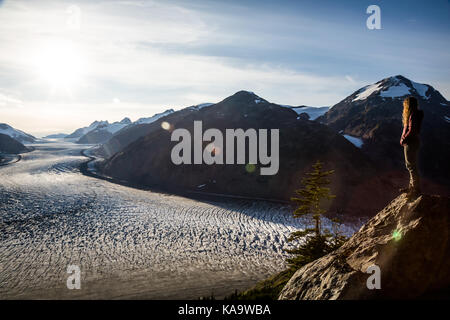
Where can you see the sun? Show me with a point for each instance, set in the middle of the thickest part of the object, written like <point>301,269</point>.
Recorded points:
<point>60,65</point>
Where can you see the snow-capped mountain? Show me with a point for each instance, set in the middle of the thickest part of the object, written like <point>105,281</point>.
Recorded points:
<point>373,115</point>
<point>396,87</point>
<point>115,126</point>
<point>103,131</point>
<point>141,154</point>
<point>16,134</point>
<point>82,131</point>
<point>154,118</point>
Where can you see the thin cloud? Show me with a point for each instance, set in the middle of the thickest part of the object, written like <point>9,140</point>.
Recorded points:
<point>153,55</point>
<point>9,101</point>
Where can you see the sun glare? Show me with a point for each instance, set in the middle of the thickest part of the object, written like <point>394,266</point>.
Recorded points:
<point>60,65</point>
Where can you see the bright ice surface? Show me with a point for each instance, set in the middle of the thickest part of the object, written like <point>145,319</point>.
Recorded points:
<point>128,243</point>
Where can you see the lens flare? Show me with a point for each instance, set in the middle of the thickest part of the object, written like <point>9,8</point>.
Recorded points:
<point>165,125</point>
<point>250,167</point>
<point>396,235</point>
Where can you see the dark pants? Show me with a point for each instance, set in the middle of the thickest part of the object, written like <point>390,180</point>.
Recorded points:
<point>411,150</point>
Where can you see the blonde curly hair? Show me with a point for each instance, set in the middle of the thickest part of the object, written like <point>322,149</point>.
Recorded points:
<point>410,105</point>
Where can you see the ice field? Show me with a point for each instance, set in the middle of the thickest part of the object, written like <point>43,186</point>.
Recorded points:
<point>128,243</point>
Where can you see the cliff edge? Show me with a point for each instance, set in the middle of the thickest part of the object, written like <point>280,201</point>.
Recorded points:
<point>408,241</point>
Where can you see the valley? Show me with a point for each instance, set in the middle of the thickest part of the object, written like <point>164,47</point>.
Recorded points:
<point>128,243</point>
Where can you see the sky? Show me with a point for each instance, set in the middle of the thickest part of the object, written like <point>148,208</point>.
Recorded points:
<point>64,64</point>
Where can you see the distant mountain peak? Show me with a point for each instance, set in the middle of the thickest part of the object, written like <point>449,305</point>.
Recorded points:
<point>97,123</point>
<point>245,93</point>
<point>394,87</point>
<point>125,120</point>
<point>247,97</point>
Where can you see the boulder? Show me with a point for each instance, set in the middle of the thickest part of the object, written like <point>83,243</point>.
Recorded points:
<point>407,240</point>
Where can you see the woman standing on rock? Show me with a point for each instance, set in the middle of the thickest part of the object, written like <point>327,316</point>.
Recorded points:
<point>412,121</point>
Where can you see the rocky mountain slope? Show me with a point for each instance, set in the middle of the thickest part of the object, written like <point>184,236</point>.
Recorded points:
<point>103,131</point>
<point>78,133</point>
<point>142,127</point>
<point>153,118</point>
<point>373,114</point>
<point>16,134</point>
<point>10,145</point>
<point>408,241</point>
<point>147,160</point>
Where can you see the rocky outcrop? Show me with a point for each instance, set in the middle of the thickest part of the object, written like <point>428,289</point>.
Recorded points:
<point>10,145</point>
<point>408,241</point>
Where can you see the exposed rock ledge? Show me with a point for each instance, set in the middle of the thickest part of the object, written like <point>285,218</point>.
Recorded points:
<point>409,241</point>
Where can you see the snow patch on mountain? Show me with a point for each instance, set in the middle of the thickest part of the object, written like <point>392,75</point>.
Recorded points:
<point>204,105</point>
<point>111,127</point>
<point>398,90</point>
<point>154,118</point>
<point>393,87</point>
<point>116,126</point>
<point>313,112</point>
<point>367,91</point>
<point>421,89</point>
<point>357,142</point>
<point>447,119</point>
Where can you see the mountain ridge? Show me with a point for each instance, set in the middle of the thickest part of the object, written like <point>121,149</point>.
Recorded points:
<point>16,134</point>
<point>146,160</point>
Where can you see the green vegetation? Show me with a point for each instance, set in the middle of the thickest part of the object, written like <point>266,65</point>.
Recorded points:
<point>268,289</point>
<point>314,242</point>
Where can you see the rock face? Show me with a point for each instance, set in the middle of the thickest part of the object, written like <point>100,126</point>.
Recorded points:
<point>409,241</point>
<point>10,145</point>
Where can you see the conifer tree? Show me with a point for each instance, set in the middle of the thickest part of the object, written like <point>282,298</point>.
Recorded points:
<point>316,241</point>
